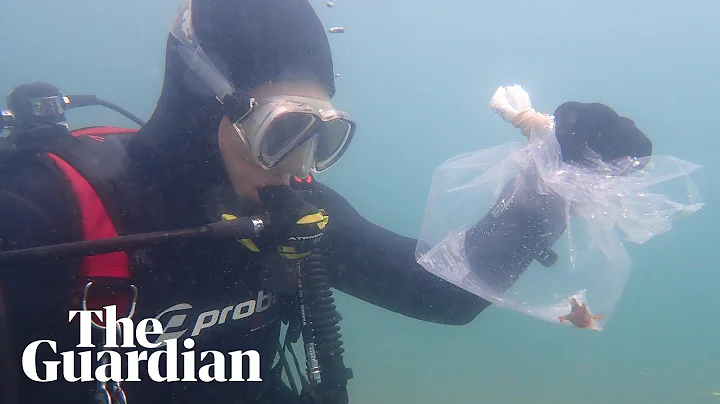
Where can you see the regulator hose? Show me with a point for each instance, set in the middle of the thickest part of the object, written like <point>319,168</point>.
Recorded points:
<point>326,371</point>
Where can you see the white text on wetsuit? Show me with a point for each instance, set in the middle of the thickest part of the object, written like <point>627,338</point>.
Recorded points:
<point>108,363</point>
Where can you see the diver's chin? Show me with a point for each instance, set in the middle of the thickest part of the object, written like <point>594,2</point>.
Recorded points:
<point>254,197</point>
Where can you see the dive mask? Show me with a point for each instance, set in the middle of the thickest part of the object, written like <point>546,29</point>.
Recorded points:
<point>278,128</point>
<point>309,128</point>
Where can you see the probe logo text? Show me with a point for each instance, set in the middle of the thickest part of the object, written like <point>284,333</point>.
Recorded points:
<point>212,318</point>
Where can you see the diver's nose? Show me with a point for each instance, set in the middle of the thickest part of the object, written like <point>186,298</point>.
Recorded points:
<point>299,162</point>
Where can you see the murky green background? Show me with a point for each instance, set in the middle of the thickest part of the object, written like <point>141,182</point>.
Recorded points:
<point>418,76</point>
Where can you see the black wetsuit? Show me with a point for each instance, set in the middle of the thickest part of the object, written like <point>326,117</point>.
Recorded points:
<point>208,290</point>
<point>177,180</point>
<point>213,291</point>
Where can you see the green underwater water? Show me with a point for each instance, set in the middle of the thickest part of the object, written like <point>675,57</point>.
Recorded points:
<point>418,77</point>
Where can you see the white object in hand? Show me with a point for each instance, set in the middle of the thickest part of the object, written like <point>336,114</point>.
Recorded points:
<point>513,104</point>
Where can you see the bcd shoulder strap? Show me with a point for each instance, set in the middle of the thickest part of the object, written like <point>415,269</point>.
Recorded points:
<point>94,166</point>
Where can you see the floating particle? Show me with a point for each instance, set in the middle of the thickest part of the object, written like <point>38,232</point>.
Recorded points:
<point>330,4</point>
<point>336,30</point>
<point>337,75</point>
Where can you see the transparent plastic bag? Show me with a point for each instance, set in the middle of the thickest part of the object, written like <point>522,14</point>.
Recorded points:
<point>517,226</point>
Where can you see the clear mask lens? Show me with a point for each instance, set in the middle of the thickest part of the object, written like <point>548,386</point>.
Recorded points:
<point>290,131</point>
<point>283,132</point>
<point>300,162</point>
<point>331,140</point>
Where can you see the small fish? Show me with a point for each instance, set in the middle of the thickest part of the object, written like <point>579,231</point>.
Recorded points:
<point>336,30</point>
<point>337,75</point>
<point>330,4</point>
<point>580,316</point>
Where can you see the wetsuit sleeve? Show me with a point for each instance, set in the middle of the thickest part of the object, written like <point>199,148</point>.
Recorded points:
<point>379,267</point>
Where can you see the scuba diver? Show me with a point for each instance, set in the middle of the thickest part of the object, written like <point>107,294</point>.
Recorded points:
<point>244,118</point>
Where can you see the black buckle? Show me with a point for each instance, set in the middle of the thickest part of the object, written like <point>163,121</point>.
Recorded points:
<point>546,257</point>
<point>238,106</point>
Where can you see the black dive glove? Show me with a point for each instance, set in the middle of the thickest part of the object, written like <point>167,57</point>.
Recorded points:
<point>296,227</point>
<point>524,224</point>
<point>581,127</point>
